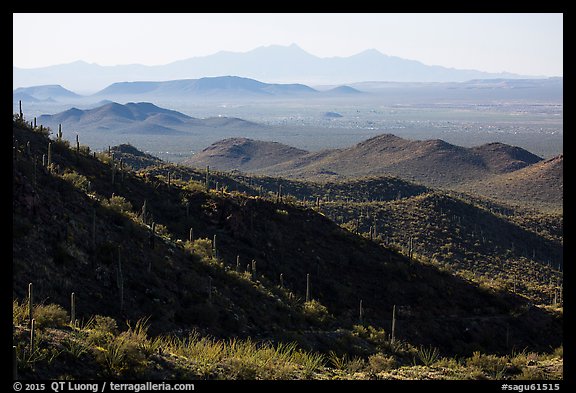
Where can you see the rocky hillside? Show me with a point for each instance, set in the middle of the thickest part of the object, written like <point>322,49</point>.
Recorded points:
<point>121,242</point>
<point>430,162</point>
<point>540,184</point>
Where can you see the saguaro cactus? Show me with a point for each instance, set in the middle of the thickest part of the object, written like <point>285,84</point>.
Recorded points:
<point>207,178</point>
<point>49,163</point>
<point>191,235</point>
<point>120,281</point>
<point>253,268</point>
<point>73,309</point>
<point>143,214</point>
<point>281,280</point>
<point>32,335</point>
<point>113,167</point>
<point>30,303</point>
<point>410,247</point>
<point>59,135</point>
<point>393,331</point>
<point>361,312</point>
<point>308,287</point>
<point>21,114</point>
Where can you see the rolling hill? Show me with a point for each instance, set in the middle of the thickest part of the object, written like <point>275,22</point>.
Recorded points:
<point>244,154</point>
<point>470,236</point>
<point>540,184</point>
<point>135,118</point>
<point>431,162</point>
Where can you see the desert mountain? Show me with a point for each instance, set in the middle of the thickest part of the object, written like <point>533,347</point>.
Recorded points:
<point>216,87</point>
<point>429,162</point>
<point>244,154</point>
<point>135,118</point>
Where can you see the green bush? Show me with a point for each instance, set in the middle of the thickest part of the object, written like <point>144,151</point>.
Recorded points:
<point>194,186</point>
<point>380,362</point>
<point>50,315</point>
<point>491,364</point>
<point>120,355</point>
<point>316,312</point>
<point>428,356</point>
<point>118,204</point>
<point>77,180</point>
<point>19,312</point>
<point>101,330</point>
<point>202,248</point>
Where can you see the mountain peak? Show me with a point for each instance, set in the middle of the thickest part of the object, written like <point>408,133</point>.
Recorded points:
<point>370,53</point>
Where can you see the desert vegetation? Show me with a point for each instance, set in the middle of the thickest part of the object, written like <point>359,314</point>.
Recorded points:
<point>168,272</point>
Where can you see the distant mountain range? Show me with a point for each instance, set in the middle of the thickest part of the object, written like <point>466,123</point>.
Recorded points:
<point>281,64</point>
<point>227,87</point>
<point>224,87</point>
<point>136,118</point>
<point>428,162</point>
<point>46,92</point>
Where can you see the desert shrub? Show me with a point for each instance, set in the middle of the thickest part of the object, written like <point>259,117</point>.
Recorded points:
<point>202,248</point>
<point>345,363</point>
<point>380,362</point>
<point>50,315</point>
<point>76,344</point>
<point>101,330</point>
<point>309,361</point>
<point>77,180</point>
<point>194,186</point>
<point>118,204</point>
<point>19,312</point>
<point>559,352</point>
<point>428,355</point>
<point>104,157</point>
<point>376,336</point>
<point>451,363</point>
<point>491,364</point>
<point>533,373</point>
<point>161,230</point>
<point>315,312</point>
<point>120,355</point>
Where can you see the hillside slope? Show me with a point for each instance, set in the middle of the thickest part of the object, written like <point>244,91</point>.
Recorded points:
<point>95,239</point>
<point>540,184</point>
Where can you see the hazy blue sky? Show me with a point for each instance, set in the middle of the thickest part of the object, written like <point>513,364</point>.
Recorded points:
<point>529,44</point>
